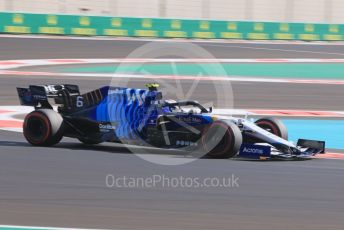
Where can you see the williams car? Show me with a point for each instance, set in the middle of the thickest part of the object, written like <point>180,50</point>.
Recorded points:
<point>143,117</point>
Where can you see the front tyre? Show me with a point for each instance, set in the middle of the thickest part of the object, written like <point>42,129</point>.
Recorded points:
<point>221,140</point>
<point>43,127</point>
<point>274,126</point>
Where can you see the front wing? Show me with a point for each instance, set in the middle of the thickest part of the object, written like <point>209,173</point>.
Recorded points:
<point>305,149</point>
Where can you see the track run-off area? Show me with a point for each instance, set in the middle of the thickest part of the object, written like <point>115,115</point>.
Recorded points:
<point>65,185</point>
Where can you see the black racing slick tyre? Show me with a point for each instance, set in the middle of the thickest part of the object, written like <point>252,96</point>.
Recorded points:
<point>274,126</point>
<point>222,140</point>
<point>43,127</point>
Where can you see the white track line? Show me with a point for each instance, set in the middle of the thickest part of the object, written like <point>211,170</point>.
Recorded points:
<point>11,64</point>
<point>17,227</point>
<point>7,65</point>
<point>174,77</point>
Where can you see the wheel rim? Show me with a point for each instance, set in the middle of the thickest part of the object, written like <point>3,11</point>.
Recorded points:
<point>36,128</point>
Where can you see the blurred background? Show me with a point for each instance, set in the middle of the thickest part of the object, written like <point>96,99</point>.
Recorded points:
<point>319,11</point>
<point>272,71</point>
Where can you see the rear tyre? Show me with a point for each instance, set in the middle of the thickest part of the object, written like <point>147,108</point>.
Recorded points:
<point>43,127</point>
<point>222,140</point>
<point>274,126</point>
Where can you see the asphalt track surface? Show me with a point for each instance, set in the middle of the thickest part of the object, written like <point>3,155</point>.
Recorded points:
<point>24,48</point>
<point>65,185</point>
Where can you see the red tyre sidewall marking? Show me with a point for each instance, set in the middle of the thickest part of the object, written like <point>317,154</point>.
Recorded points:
<point>45,120</point>
<point>273,127</point>
<point>227,131</point>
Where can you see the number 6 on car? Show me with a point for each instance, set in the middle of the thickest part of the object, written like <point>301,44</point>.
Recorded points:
<point>79,101</point>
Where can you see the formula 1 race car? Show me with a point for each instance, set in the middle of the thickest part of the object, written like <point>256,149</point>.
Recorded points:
<point>142,117</point>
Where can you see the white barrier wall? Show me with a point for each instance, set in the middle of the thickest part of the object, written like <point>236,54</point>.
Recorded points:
<point>322,11</point>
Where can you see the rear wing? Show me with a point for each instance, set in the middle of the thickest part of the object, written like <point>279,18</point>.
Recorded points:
<point>39,94</point>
